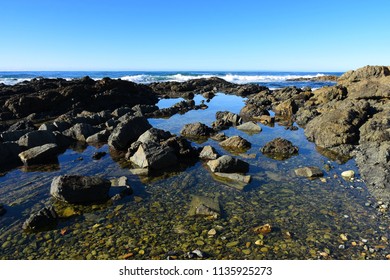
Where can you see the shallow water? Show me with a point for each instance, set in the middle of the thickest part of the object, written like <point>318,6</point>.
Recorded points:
<point>308,217</point>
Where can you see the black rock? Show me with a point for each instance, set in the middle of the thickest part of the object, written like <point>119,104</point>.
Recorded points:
<point>44,219</point>
<point>98,155</point>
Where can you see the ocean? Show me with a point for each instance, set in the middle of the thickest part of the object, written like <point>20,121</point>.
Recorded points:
<point>269,79</point>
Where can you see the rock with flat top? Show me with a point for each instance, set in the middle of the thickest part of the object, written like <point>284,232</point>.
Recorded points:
<point>228,164</point>
<point>309,172</point>
<point>40,155</point>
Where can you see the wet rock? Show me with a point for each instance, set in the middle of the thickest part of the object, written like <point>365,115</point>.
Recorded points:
<point>309,172</point>
<point>139,171</point>
<point>154,135</point>
<point>119,182</point>
<point>100,137</point>
<point>267,120</point>
<point>204,206</point>
<point>44,219</point>
<point>264,229</point>
<point>37,138</point>
<point>253,111</point>
<point>233,180</point>
<point>80,189</point>
<point>219,137</point>
<point>196,130</point>
<point>98,155</point>
<point>81,131</point>
<point>280,149</point>
<point>208,153</point>
<point>226,119</point>
<point>196,254</point>
<point>236,143</point>
<point>228,164</point>
<point>40,155</point>
<point>251,127</point>
<point>127,132</point>
<point>9,152</point>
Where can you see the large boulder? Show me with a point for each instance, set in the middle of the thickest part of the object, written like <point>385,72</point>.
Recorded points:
<point>80,189</point>
<point>37,138</point>
<point>338,125</point>
<point>44,219</point>
<point>196,130</point>
<point>40,155</point>
<point>228,164</point>
<point>280,149</point>
<point>128,132</point>
<point>236,143</point>
<point>286,108</point>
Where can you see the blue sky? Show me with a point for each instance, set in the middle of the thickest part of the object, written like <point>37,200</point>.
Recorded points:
<point>194,35</point>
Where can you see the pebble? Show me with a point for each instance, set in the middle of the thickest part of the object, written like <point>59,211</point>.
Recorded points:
<point>349,174</point>
<point>259,242</point>
<point>246,251</point>
<point>264,229</point>
<point>343,237</point>
<point>364,240</point>
<point>232,244</point>
<point>342,247</point>
<point>212,232</point>
<point>388,256</point>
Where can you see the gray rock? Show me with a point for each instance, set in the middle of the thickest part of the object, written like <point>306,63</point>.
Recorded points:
<point>43,154</point>
<point>121,111</point>
<point>80,189</point>
<point>44,219</point>
<point>128,132</point>
<point>251,127</point>
<point>228,164</point>
<point>309,172</point>
<point>153,156</point>
<point>37,138</point>
<point>100,137</point>
<point>208,153</point>
<point>233,180</point>
<point>9,152</point>
<point>81,131</point>
<point>204,206</point>
<point>236,143</point>
<point>196,130</point>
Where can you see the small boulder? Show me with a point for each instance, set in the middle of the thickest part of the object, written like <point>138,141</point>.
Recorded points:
<point>279,149</point>
<point>154,156</point>
<point>309,172</point>
<point>236,143</point>
<point>204,206</point>
<point>228,164</point>
<point>37,138</point>
<point>196,130</point>
<point>208,153</point>
<point>44,219</point>
<point>81,131</point>
<point>250,127</point>
<point>100,137</point>
<point>80,189</point>
<point>40,155</point>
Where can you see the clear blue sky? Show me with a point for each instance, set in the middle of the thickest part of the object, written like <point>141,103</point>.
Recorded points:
<point>275,35</point>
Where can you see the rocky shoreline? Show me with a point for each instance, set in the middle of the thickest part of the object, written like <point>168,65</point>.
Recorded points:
<point>40,119</point>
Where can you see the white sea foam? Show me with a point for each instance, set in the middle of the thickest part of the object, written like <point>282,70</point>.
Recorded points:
<point>13,81</point>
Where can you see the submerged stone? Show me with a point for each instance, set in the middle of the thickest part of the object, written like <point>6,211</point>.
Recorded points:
<point>309,172</point>
<point>204,206</point>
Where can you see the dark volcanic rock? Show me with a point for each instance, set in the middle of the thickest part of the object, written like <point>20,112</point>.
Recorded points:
<point>196,130</point>
<point>80,189</point>
<point>127,132</point>
<point>44,219</point>
<point>42,154</point>
<point>279,149</point>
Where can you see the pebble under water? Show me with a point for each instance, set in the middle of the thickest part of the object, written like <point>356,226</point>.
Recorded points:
<point>325,218</point>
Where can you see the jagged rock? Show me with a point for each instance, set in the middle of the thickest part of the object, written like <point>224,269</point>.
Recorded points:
<point>37,138</point>
<point>286,108</point>
<point>228,164</point>
<point>279,149</point>
<point>128,132</point>
<point>251,127</point>
<point>236,143</point>
<point>339,125</point>
<point>204,206</point>
<point>219,137</point>
<point>196,130</point>
<point>153,156</point>
<point>80,189</point>
<point>100,137</point>
<point>208,153</point>
<point>9,152</point>
<point>253,111</point>
<point>226,119</point>
<point>81,131</point>
<point>9,136</point>
<point>39,155</point>
<point>364,73</point>
<point>309,172</point>
<point>376,129</point>
<point>119,112</point>
<point>44,219</point>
